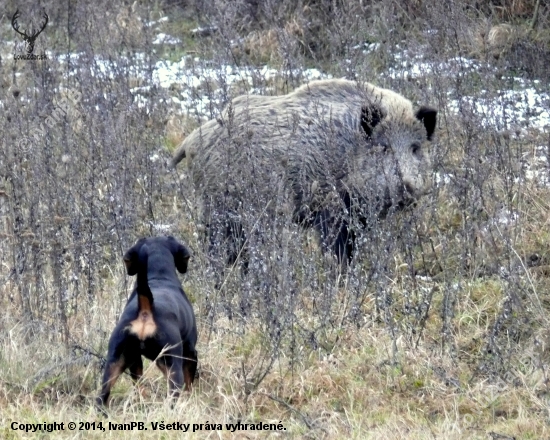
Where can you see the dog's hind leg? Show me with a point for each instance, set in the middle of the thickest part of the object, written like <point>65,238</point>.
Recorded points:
<point>113,370</point>
<point>136,371</point>
<point>171,366</point>
<point>189,366</point>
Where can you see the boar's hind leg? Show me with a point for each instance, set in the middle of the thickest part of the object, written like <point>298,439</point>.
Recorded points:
<point>335,236</point>
<point>226,245</point>
<point>343,245</point>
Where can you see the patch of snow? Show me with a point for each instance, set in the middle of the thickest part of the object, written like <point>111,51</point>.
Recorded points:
<point>202,86</point>
<point>415,67</point>
<point>536,167</point>
<point>204,31</point>
<point>514,110</point>
<point>154,22</point>
<point>162,227</point>
<point>441,178</point>
<point>505,217</point>
<point>163,38</point>
<point>510,110</point>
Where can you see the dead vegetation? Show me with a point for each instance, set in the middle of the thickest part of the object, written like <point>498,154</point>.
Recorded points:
<point>439,329</point>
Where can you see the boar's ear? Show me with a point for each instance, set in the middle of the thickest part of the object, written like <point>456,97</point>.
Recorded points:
<point>428,116</point>
<point>131,258</point>
<point>181,255</point>
<point>371,116</point>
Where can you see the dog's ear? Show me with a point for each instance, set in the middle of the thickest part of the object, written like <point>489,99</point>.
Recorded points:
<point>428,116</point>
<point>371,116</point>
<point>181,255</point>
<point>131,258</point>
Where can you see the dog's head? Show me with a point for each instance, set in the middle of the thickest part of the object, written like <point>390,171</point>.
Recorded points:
<point>156,244</point>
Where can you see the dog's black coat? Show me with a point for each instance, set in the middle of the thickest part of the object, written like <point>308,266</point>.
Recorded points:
<point>158,316</point>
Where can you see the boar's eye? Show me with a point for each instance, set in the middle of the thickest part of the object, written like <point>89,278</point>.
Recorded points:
<point>384,147</point>
<point>416,149</point>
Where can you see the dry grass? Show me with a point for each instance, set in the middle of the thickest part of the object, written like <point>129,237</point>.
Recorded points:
<point>367,385</point>
<point>440,328</point>
<point>379,379</point>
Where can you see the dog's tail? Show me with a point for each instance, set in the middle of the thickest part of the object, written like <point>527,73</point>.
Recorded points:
<point>145,296</point>
<point>136,260</point>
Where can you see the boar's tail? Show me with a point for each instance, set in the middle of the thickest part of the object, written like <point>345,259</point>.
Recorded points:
<point>178,155</point>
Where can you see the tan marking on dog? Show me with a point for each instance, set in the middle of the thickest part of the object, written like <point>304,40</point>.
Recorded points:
<point>128,263</point>
<point>187,378</point>
<point>164,369</point>
<point>115,371</point>
<point>144,304</point>
<point>144,325</point>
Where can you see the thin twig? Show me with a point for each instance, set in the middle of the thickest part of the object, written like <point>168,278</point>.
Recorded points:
<point>306,421</point>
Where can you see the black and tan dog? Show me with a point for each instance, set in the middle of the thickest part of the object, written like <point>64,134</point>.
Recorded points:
<point>158,318</point>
